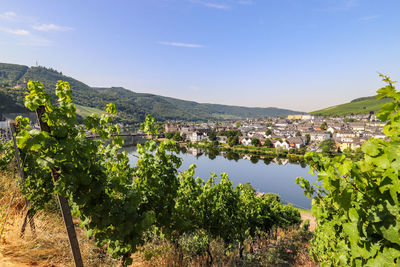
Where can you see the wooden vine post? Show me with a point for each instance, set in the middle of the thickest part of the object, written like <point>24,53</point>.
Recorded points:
<point>62,201</point>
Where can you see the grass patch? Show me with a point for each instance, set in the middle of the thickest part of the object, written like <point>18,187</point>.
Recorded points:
<point>87,111</point>
<point>50,246</point>
<point>355,107</point>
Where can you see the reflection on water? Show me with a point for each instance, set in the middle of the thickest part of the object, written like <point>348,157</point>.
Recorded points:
<point>230,155</point>
<point>265,174</point>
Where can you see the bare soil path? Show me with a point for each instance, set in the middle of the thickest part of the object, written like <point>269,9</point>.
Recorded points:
<point>305,215</point>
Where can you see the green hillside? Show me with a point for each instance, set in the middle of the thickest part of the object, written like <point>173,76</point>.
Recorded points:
<point>132,107</point>
<point>86,111</point>
<point>11,101</point>
<point>10,74</point>
<point>363,105</point>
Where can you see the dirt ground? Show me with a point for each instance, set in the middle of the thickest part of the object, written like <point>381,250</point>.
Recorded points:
<point>308,216</point>
<point>8,261</point>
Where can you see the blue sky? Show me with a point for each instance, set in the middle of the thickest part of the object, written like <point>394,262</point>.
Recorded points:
<point>297,54</point>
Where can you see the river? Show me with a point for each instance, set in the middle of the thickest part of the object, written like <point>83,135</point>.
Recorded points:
<point>277,177</point>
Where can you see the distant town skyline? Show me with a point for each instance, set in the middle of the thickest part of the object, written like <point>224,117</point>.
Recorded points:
<point>299,55</point>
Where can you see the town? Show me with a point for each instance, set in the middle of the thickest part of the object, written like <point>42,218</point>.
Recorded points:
<point>294,131</point>
<point>303,131</point>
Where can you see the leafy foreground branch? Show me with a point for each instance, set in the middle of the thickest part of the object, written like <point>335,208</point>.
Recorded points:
<point>49,247</point>
<point>357,207</point>
<point>118,204</point>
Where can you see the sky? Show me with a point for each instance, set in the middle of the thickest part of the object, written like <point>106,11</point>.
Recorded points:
<point>297,54</point>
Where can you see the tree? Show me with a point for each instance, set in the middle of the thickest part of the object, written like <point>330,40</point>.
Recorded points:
<point>254,159</point>
<point>268,143</point>
<point>298,133</point>
<point>213,151</point>
<point>328,147</point>
<point>212,135</point>
<point>308,138</point>
<point>233,140</point>
<point>267,161</point>
<point>323,126</point>
<point>268,132</point>
<point>215,144</point>
<point>169,135</point>
<point>238,124</point>
<point>255,142</point>
<point>177,137</point>
<point>234,133</point>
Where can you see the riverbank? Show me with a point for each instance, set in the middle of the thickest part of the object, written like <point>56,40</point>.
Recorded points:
<point>293,155</point>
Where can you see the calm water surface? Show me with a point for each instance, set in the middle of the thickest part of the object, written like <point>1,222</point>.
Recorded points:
<point>276,178</point>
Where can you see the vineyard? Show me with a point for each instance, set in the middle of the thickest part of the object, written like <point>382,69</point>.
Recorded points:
<point>127,208</point>
<point>122,207</point>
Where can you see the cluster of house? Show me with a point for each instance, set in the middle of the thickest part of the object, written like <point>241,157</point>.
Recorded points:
<point>5,133</point>
<point>295,131</point>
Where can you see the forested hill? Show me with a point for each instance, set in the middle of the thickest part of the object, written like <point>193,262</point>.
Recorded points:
<point>362,105</point>
<point>132,107</point>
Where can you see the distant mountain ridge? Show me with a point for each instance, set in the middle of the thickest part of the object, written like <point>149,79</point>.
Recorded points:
<point>361,105</point>
<point>132,106</point>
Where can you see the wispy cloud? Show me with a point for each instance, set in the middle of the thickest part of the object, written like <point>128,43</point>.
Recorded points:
<point>51,27</point>
<point>181,44</point>
<point>19,32</point>
<point>368,18</point>
<point>25,38</point>
<point>20,27</point>
<point>9,16</point>
<point>211,4</point>
<point>14,31</point>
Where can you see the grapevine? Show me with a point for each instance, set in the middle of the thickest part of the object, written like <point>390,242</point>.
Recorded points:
<point>357,207</point>
<point>6,154</point>
<point>117,203</point>
<point>94,176</point>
